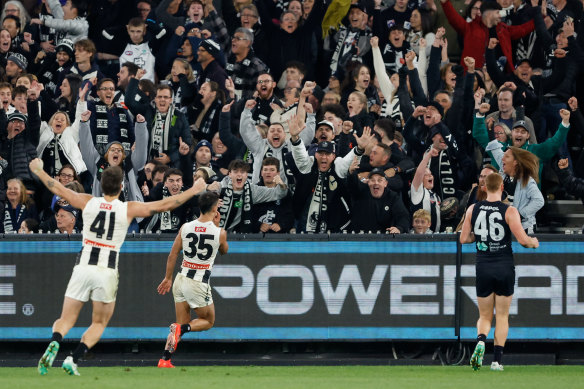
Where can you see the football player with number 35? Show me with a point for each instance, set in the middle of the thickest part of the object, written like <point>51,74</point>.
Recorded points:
<point>200,241</point>
<point>489,224</point>
<point>95,275</point>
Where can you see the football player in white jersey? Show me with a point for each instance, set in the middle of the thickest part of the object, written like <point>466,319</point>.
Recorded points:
<point>200,240</point>
<point>95,275</point>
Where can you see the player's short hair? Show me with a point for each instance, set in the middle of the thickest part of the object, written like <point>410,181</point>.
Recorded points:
<point>167,87</point>
<point>170,172</point>
<point>207,201</point>
<point>136,22</point>
<point>6,85</point>
<point>493,182</point>
<point>295,64</point>
<point>132,68</point>
<point>111,180</point>
<point>422,214</point>
<point>248,34</point>
<point>238,164</point>
<point>386,149</point>
<point>271,161</point>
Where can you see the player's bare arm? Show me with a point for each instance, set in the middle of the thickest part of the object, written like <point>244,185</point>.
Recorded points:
<point>138,209</point>
<point>466,234</point>
<point>77,200</point>
<point>514,221</point>
<point>223,245</point>
<point>166,283</point>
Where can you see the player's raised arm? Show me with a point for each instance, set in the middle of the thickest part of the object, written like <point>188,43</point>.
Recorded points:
<point>514,221</point>
<point>138,209</point>
<point>466,234</point>
<point>166,283</point>
<point>77,200</point>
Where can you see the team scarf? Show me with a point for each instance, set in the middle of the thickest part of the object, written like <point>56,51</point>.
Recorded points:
<point>169,220</point>
<point>165,124</point>
<point>342,53</point>
<point>316,220</point>
<point>229,204</point>
<point>102,126</point>
<point>446,175</point>
<point>9,224</point>
<point>206,123</point>
<point>53,156</point>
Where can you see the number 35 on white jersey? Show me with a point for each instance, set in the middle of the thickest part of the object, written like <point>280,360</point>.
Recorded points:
<point>200,246</point>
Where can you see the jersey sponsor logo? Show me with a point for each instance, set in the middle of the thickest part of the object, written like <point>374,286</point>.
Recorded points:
<point>129,52</point>
<point>195,266</point>
<point>97,244</point>
<point>105,206</point>
<point>200,229</point>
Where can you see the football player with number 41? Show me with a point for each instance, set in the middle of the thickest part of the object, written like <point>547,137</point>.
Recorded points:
<point>95,275</point>
<point>200,241</point>
<point>490,224</point>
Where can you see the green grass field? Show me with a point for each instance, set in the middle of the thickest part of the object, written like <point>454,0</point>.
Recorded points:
<point>299,377</point>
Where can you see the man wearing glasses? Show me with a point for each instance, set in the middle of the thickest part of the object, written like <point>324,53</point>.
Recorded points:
<point>243,66</point>
<point>110,121</point>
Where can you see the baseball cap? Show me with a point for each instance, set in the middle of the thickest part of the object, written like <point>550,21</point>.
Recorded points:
<point>520,123</point>
<point>378,171</point>
<point>66,207</point>
<point>359,6</point>
<point>326,123</point>
<point>327,147</point>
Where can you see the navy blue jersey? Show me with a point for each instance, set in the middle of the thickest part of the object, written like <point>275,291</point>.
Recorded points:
<point>492,233</point>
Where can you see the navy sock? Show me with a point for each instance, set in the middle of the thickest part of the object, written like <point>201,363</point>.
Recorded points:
<point>498,354</point>
<point>482,338</point>
<point>80,351</point>
<point>185,328</point>
<point>57,337</point>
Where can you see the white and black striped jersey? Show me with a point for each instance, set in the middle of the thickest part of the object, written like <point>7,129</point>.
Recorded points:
<point>200,246</point>
<point>105,225</point>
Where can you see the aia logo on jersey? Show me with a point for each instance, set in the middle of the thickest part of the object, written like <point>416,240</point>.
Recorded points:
<point>200,229</point>
<point>128,53</point>
<point>105,206</point>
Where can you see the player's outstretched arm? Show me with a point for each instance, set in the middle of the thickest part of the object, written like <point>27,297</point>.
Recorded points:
<point>138,209</point>
<point>223,245</point>
<point>514,221</point>
<point>466,235</point>
<point>77,200</point>
<point>166,283</point>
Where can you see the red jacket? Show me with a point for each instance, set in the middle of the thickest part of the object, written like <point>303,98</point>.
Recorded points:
<point>476,36</point>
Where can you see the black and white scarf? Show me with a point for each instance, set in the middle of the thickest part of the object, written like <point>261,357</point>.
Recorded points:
<point>102,127</point>
<point>342,53</point>
<point>446,175</point>
<point>318,206</point>
<point>227,196</point>
<point>169,220</point>
<point>9,223</point>
<point>290,180</point>
<point>160,132</point>
<point>53,156</point>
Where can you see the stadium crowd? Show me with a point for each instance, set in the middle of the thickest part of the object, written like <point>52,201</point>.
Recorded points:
<point>315,116</point>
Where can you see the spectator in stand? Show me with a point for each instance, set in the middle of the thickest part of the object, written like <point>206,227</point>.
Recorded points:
<point>52,67</point>
<point>507,113</point>
<point>84,61</point>
<point>422,193</point>
<point>17,208</point>
<point>69,93</point>
<point>420,28</point>
<point>273,216</point>
<point>166,124</point>
<point>127,71</point>
<point>68,20</point>
<point>29,226</point>
<point>239,197</point>
<point>477,31</point>
<point>16,65</point>
<point>207,55</point>
<point>399,13</point>
<point>275,145</point>
<point>375,206</point>
<point>351,43</point>
<point>360,81</point>
<point>319,182</point>
<point>520,168</point>
<point>396,48</point>
<point>243,66</point>
<point>183,82</point>
<point>130,161</point>
<point>264,96</point>
<point>421,222</point>
<point>204,113</point>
